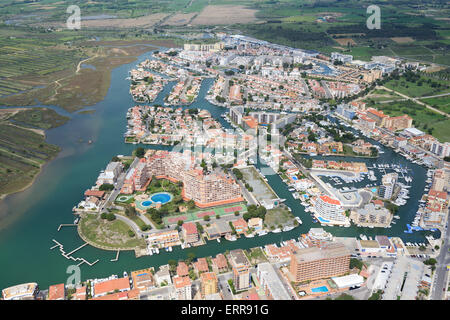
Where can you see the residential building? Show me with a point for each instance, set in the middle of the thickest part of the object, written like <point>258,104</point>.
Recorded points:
<point>143,279</point>
<point>109,286</point>
<point>241,269</point>
<point>317,263</point>
<point>57,292</point>
<point>190,233</point>
<point>209,283</point>
<point>329,209</point>
<point>183,288</point>
<point>271,283</point>
<point>26,291</point>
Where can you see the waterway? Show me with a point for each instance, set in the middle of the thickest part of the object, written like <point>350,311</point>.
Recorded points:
<point>29,219</point>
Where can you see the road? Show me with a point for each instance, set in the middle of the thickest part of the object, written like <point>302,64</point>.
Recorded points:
<point>441,273</point>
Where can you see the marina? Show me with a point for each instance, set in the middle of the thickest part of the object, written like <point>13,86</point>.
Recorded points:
<point>31,216</point>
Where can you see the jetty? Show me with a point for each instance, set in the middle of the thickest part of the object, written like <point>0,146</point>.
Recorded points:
<point>68,256</point>
<point>66,225</point>
<point>117,257</point>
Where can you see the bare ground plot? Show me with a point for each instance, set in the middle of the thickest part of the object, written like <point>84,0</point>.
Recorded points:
<point>345,41</point>
<point>402,39</point>
<point>145,21</point>
<point>261,189</point>
<point>213,15</point>
<point>278,217</point>
<point>179,19</point>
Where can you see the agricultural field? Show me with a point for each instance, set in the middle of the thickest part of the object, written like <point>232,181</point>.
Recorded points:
<point>47,67</point>
<point>217,15</point>
<point>22,153</point>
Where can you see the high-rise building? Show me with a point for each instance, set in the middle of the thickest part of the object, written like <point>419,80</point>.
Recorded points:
<point>317,263</point>
<point>389,181</point>
<point>241,269</point>
<point>330,209</point>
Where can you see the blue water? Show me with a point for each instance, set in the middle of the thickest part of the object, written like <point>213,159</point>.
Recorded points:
<point>161,198</point>
<point>294,178</point>
<point>146,203</point>
<point>319,289</point>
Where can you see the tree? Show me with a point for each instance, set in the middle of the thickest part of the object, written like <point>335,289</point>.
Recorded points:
<point>130,211</point>
<point>106,187</point>
<point>191,204</point>
<point>115,159</point>
<point>139,152</point>
<point>206,218</point>
<point>356,263</point>
<point>236,213</point>
<point>180,223</point>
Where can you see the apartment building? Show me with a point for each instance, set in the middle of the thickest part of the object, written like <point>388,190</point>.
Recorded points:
<point>329,208</point>
<point>209,283</point>
<point>241,269</point>
<point>271,283</point>
<point>317,263</point>
<point>183,288</point>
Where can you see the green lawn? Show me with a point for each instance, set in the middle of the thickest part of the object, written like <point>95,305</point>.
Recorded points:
<point>278,216</point>
<point>111,234</point>
<point>441,103</point>
<point>423,87</point>
<point>424,119</point>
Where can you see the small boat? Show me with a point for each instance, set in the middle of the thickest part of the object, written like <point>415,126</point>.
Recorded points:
<point>125,274</point>
<point>218,240</point>
<point>288,228</point>
<point>277,230</point>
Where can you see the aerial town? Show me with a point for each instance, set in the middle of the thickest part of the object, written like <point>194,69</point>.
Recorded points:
<point>293,141</point>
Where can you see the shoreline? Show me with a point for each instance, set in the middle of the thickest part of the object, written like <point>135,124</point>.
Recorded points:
<point>42,132</point>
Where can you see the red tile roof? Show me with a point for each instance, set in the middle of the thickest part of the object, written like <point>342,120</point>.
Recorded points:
<point>111,285</point>
<point>56,292</point>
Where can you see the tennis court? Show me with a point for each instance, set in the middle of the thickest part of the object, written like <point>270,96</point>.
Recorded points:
<point>199,214</point>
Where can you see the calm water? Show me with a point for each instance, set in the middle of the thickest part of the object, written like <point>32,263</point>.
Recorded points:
<point>29,220</point>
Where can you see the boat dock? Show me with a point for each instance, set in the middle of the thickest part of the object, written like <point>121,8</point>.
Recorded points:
<point>117,257</point>
<point>66,225</point>
<point>68,256</point>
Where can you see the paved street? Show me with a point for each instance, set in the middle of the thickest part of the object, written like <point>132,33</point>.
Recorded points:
<point>441,276</point>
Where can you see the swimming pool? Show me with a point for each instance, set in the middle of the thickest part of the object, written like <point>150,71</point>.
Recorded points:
<point>323,220</point>
<point>319,289</point>
<point>294,178</point>
<point>161,197</point>
<point>146,203</point>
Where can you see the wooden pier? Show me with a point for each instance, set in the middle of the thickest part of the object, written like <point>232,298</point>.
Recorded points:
<point>68,256</point>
